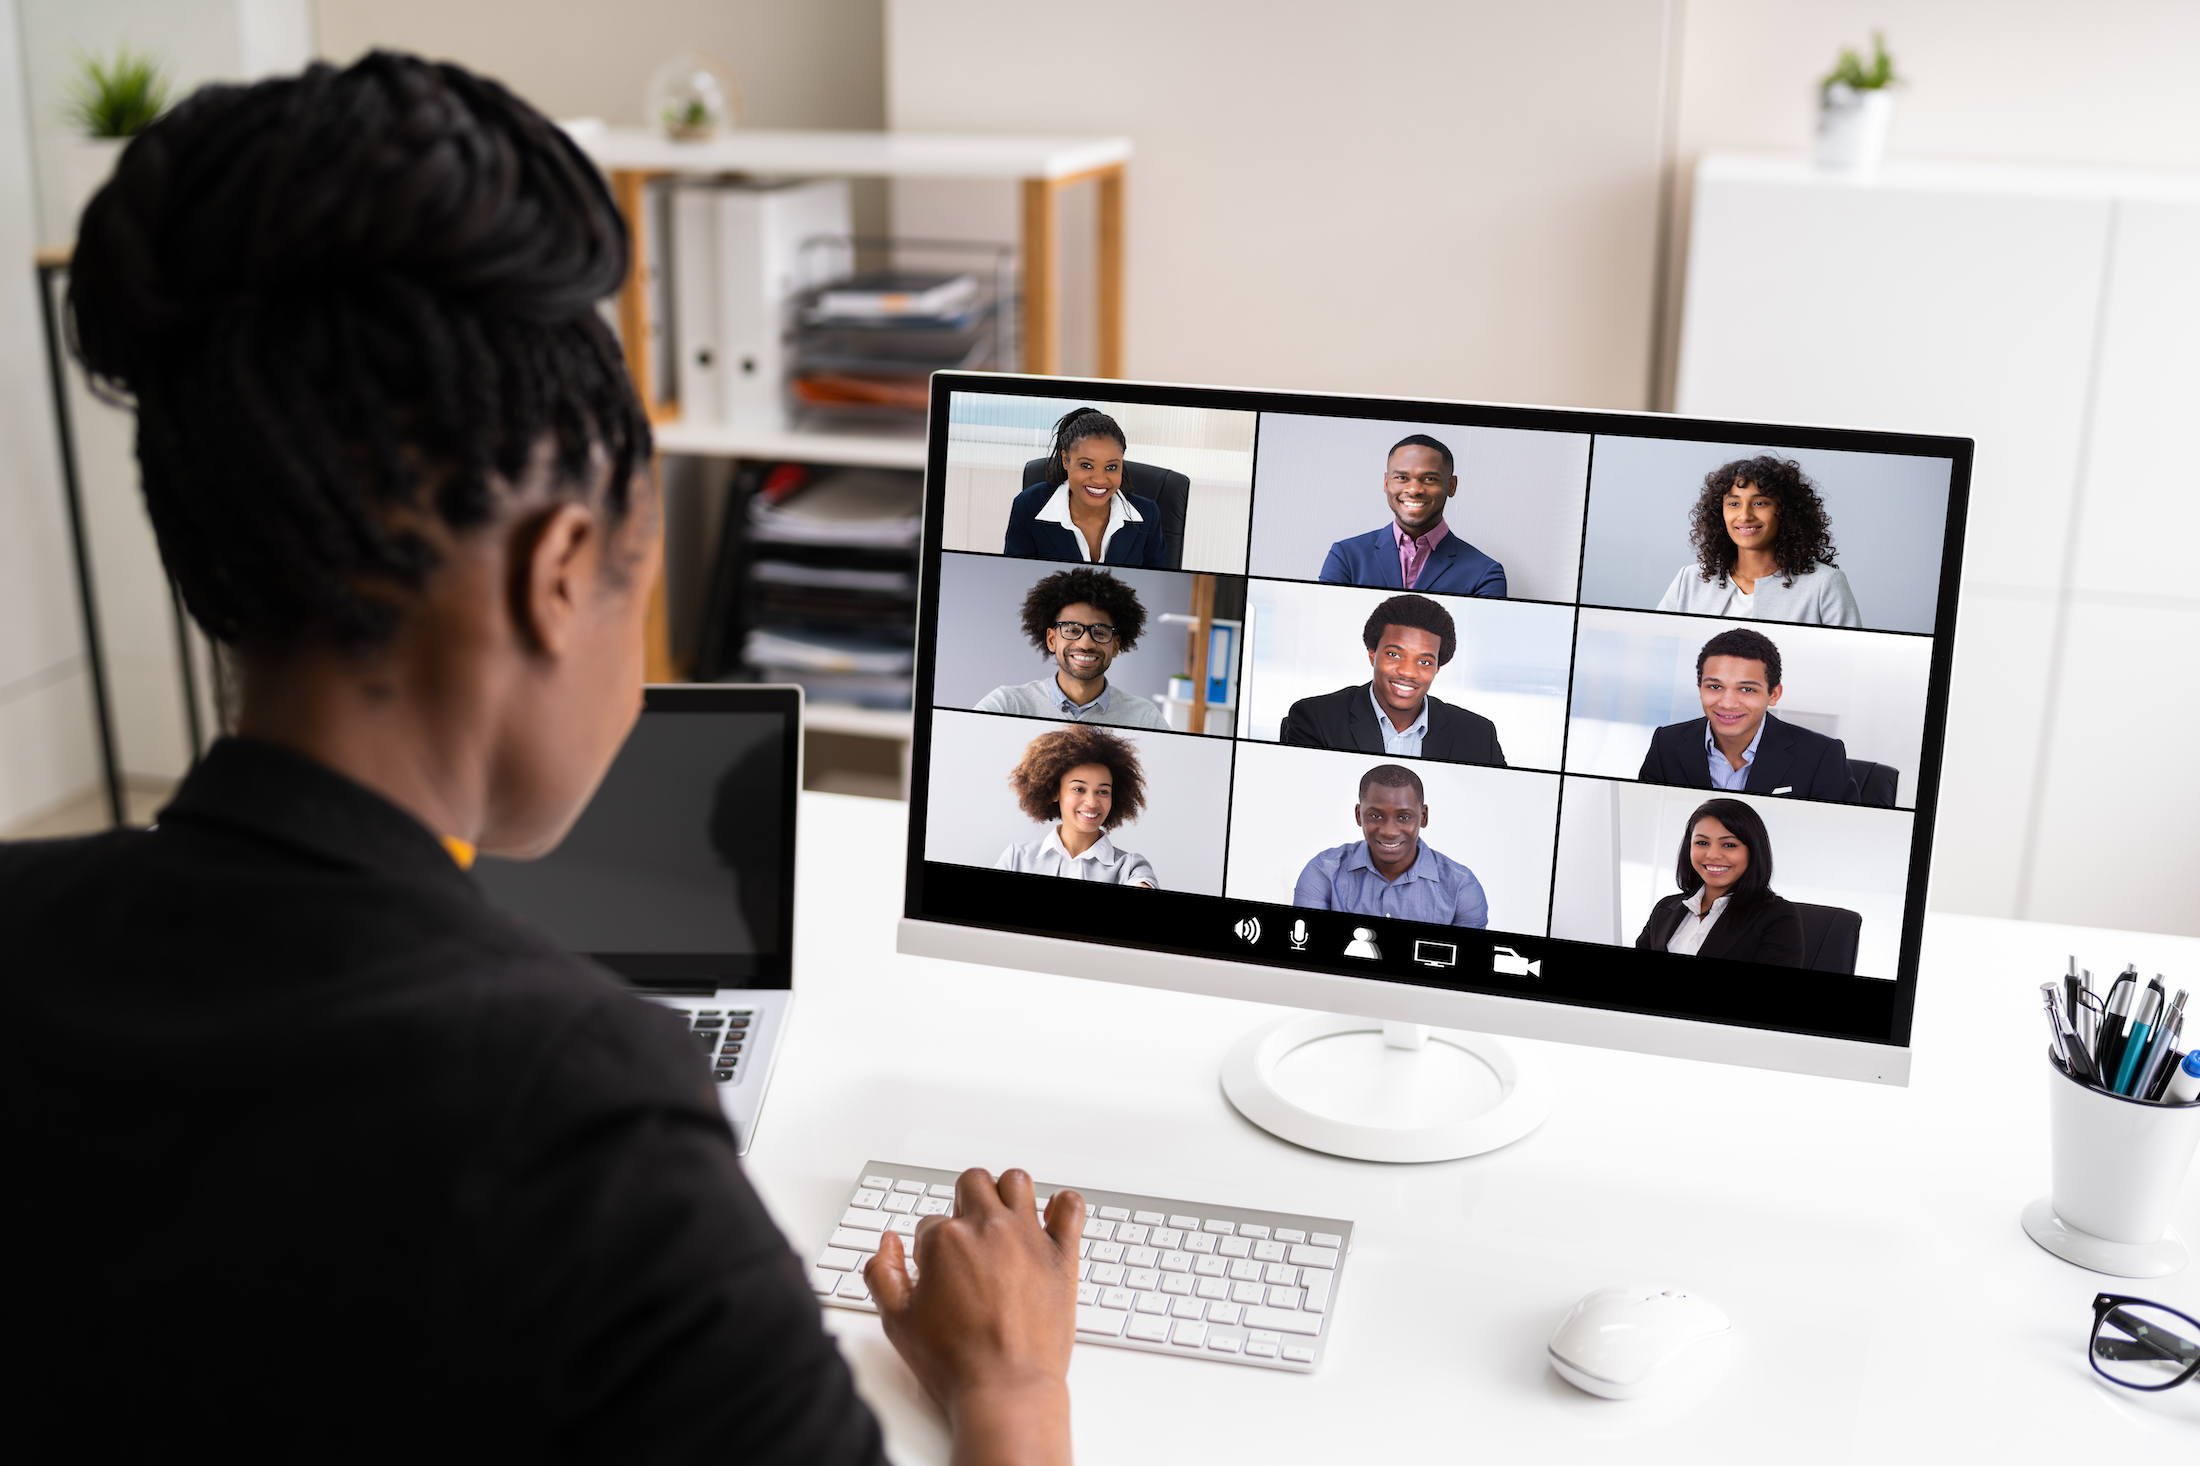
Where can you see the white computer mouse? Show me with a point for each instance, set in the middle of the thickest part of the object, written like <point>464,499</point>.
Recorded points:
<point>1625,1342</point>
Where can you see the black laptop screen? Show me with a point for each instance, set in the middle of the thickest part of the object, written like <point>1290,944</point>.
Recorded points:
<point>679,874</point>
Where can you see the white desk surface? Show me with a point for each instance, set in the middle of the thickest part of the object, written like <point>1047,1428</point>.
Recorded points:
<point>1864,1239</point>
<point>853,154</point>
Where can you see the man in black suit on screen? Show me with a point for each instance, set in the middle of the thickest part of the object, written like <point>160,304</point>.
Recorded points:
<point>1738,744</point>
<point>1409,638</point>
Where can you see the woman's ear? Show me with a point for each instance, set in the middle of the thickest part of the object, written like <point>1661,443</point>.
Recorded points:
<point>557,558</point>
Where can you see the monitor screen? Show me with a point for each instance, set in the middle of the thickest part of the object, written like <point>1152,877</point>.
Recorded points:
<point>1604,711</point>
<point>679,874</point>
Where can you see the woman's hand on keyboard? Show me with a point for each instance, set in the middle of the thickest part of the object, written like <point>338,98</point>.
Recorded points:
<point>988,1323</point>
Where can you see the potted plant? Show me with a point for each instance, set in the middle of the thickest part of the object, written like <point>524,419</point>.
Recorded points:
<point>109,103</point>
<point>1855,101</point>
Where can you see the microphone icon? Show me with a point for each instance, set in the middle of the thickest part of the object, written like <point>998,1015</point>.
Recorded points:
<point>1298,936</point>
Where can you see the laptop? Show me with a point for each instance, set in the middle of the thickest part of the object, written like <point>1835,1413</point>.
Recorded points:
<point>679,876</point>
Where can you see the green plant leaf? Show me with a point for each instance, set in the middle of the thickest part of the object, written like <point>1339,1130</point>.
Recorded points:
<point>1852,71</point>
<point>118,97</point>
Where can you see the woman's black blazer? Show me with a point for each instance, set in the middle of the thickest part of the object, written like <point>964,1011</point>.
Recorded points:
<point>1771,931</point>
<point>1139,542</point>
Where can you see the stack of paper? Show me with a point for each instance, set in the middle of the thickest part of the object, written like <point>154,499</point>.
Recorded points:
<point>858,506</point>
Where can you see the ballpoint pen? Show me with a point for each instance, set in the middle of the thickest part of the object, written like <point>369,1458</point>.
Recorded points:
<point>2154,1069</point>
<point>2088,1023</point>
<point>2074,997</point>
<point>2108,1049</point>
<point>2072,1053</point>
<point>2145,1014</point>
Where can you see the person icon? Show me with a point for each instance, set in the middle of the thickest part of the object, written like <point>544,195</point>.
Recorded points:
<point>1363,945</point>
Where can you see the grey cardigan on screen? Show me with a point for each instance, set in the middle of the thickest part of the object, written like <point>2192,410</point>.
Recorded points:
<point>1819,597</point>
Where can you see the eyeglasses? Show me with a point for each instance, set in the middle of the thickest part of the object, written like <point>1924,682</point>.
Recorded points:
<point>1072,630</point>
<point>2142,1345</point>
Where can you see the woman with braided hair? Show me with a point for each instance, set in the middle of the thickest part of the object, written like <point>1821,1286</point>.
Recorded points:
<point>415,1181</point>
<point>1083,510</point>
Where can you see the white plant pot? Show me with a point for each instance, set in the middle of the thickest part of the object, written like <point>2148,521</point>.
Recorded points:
<point>1852,129</point>
<point>87,163</point>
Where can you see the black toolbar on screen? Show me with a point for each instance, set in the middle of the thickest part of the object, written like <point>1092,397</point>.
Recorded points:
<point>1491,698</point>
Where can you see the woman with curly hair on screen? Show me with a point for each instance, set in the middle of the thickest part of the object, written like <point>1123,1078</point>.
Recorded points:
<point>1085,781</point>
<point>1764,549</point>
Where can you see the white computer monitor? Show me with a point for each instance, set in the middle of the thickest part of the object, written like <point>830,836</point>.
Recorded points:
<point>1478,803</point>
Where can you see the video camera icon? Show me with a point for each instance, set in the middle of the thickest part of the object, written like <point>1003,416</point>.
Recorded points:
<point>1512,964</point>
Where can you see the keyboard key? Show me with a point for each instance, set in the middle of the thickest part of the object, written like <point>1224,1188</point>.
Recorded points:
<point>1218,1226</point>
<point>1315,1256</point>
<point>943,1190</point>
<point>1177,1284</point>
<point>1131,1234</point>
<point>1119,1299</point>
<point>1250,1229</point>
<point>1188,1308</point>
<point>1266,1351</point>
<point>709,1012</point>
<point>853,1286</point>
<point>868,1221</point>
<point>1279,1272</point>
<point>1290,1234</point>
<point>1084,1271</point>
<point>1106,1322</point>
<point>879,1183</point>
<point>822,1282</point>
<point>730,1048</point>
<point>1116,1213</point>
<point>1327,1239</point>
<point>1188,1335</point>
<point>1168,1239</point>
<point>1264,1336</point>
<point>902,1201</point>
<point>1199,1242</point>
<point>841,1259</point>
<point>1084,1248</point>
<point>907,1226</point>
<point>1246,1292</point>
<point>1088,1293</point>
<point>1234,1247</point>
<point>1209,1267</point>
<point>867,1197</point>
<point>1185,1224</point>
<point>1298,1354</point>
<point>1141,1256</point>
<point>1211,1288</point>
<point>914,1188</point>
<point>1108,1274</point>
<point>1284,1297</point>
<point>1107,1252</point>
<point>738,1023</point>
<point>703,1024</point>
<point>1270,1251</point>
<point>1224,1313</point>
<point>1283,1320</point>
<point>1176,1262</point>
<point>1151,1330</point>
<point>722,1076</point>
<point>1147,1218</point>
<point>1317,1288</point>
<point>1099,1229</point>
<point>1143,1277</point>
<point>1151,1303</point>
<point>854,1240</point>
<point>1245,1271</point>
<point>707,1038</point>
<point>933,1206</point>
<point>1227,1343</point>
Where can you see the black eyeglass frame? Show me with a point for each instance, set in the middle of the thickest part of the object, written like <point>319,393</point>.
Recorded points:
<point>2105,1304</point>
<point>1076,631</point>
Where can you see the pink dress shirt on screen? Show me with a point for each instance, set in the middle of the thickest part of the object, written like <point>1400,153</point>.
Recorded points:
<point>1413,553</point>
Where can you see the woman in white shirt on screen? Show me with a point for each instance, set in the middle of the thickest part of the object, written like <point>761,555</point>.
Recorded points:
<point>1086,781</point>
<point>1764,549</point>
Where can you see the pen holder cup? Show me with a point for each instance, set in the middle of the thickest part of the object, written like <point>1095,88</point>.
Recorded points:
<point>2118,1166</point>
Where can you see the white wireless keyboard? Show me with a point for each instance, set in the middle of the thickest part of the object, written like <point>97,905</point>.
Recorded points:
<point>1169,1277</point>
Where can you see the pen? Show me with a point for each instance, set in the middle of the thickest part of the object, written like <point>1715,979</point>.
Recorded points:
<point>2073,994</point>
<point>2075,1062</point>
<point>2154,1069</point>
<point>2108,1050</point>
<point>2088,1023</point>
<point>2145,1014</point>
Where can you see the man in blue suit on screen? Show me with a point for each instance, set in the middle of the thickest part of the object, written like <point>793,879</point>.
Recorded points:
<point>1416,550</point>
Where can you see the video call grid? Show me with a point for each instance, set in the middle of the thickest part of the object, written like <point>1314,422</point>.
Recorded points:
<point>1240,735</point>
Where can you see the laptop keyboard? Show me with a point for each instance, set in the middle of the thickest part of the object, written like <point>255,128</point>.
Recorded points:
<point>1169,1277</point>
<point>722,1033</point>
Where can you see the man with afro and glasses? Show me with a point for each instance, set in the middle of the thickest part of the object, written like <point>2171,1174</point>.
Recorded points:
<point>1081,620</point>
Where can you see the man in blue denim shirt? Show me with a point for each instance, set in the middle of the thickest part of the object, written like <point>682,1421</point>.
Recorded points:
<point>1389,871</point>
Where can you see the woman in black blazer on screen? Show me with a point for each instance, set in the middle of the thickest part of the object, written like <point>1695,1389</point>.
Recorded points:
<point>1082,511</point>
<point>1727,908</point>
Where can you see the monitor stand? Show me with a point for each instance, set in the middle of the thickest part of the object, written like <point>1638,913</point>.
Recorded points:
<point>1372,1090</point>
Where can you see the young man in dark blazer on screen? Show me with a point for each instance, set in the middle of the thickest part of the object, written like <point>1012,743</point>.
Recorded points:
<point>1408,639</point>
<point>1416,550</point>
<point>1738,744</point>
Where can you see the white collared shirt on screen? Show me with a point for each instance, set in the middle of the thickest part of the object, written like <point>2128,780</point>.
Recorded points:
<point>1100,862</point>
<point>1687,938</point>
<point>1120,513</point>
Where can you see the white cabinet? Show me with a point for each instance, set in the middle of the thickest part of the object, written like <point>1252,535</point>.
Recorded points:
<point>2053,316</point>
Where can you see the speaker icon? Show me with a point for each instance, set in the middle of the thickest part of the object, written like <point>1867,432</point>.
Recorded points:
<point>1249,929</point>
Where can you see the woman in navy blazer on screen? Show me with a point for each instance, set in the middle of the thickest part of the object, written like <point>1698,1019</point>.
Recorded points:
<point>1082,511</point>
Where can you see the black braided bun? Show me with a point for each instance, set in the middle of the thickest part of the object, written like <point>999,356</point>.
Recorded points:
<point>340,302</point>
